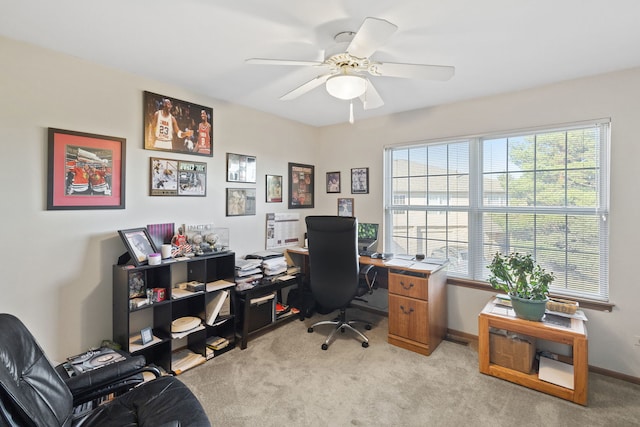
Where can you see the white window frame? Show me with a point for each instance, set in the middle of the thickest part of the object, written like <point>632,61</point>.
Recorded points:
<point>476,266</point>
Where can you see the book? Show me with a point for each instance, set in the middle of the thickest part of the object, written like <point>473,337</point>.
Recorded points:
<point>219,284</point>
<point>217,343</point>
<point>215,305</point>
<point>184,359</point>
<point>180,293</point>
<point>225,310</point>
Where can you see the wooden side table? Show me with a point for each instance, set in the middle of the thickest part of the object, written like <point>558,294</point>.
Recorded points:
<point>575,336</point>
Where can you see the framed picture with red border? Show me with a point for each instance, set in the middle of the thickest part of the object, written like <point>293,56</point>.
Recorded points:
<point>85,171</point>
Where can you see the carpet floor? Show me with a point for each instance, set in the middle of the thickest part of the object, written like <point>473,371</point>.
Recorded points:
<point>284,378</point>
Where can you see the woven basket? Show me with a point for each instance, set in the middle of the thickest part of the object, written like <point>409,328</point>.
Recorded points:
<point>562,306</point>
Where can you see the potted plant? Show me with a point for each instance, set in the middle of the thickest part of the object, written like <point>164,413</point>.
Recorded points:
<point>526,283</point>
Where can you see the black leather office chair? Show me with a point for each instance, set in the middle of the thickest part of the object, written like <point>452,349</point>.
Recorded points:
<point>33,394</point>
<point>334,269</point>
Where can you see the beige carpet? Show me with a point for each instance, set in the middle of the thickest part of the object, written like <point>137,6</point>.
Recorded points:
<point>284,378</point>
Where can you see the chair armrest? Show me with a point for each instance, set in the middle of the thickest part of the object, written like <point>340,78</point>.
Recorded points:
<point>370,274</point>
<point>118,376</point>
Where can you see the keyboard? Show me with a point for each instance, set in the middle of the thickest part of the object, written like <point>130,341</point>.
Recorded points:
<point>367,253</point>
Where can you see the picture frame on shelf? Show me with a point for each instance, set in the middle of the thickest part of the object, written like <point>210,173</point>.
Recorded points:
<point>273,189</point>
<point>301,186</point>
<point>360,181</point>
<point>169,177</point>
<point>139,244</point>
<point>241,201</point>
<point>177,126</point>
<point>161,233</point>
<point>137,286</point>
<point>333,182</point>
<point>241,168</point>
<point>85,171</point>
<point>146,335</point>
<point>345,207</point>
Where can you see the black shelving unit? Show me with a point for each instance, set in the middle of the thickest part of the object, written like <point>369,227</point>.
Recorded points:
<point>246,311</point>
<point>129,320</point>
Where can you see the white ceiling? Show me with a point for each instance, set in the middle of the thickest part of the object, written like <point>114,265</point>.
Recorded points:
<point>496,46</point>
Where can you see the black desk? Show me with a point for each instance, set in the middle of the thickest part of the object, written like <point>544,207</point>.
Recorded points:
<point>243,301</point>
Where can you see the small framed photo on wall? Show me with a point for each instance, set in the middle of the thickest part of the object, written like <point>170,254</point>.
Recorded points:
<point>274,189</point>
<point>301,186</point>
<point>333,182</point>
<point>345,207</point>
<point>360,181</point>
<point>241,201</point>
<point>241,168</point>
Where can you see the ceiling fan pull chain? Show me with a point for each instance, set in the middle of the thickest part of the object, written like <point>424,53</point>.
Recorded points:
<point>351,111</point>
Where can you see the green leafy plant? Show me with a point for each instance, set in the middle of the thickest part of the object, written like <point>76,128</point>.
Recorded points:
<point>519,275</point>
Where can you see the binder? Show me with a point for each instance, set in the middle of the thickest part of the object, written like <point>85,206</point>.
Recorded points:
<point>214,306</point>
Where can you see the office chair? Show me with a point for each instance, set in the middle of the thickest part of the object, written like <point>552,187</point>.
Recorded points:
<point>32,393</point>
<point>334,269</point>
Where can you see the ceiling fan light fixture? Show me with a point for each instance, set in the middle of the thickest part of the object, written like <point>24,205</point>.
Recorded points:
<point>346,86</point>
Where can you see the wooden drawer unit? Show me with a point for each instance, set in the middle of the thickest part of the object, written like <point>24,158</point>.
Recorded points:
<point>409,286</point>
<point>408,318</point>
<point>417,309</point>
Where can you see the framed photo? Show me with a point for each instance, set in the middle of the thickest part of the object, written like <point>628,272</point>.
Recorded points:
<point>136,284</point>
<point>177,126</point>
<point>360,181</point>
<point>301,186</point>
<point>333,182</point>
<point>345,207</point>
<point>139,244</point>
<point>146,335</point>
<point>241,201</point>
<point>241,168</point>
<point>85,171</point>
<point>177,178</point>
<point>274,189</point>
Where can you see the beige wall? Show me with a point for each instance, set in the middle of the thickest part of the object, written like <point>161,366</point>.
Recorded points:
<point>611,335</point>
<point>56,265</point>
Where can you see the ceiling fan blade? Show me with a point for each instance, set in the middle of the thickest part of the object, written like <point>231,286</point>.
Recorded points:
<point>265,61</point>
<point>412,71</point>
<point>371,98</point>
<point>373,33</point>
<point>306,87</point>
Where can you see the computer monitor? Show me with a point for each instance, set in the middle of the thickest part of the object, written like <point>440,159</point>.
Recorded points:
<point>367,236</point>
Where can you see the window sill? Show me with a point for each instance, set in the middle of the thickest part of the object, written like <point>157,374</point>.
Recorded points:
<point>484,286</point>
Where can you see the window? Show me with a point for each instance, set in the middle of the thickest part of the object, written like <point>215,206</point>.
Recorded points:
<point>543,192</point>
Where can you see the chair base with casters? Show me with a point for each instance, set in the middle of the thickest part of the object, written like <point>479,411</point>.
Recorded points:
<point>341,324</point>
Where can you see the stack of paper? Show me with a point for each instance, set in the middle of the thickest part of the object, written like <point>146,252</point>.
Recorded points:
<point>247,267</point>
<point>274,266</point>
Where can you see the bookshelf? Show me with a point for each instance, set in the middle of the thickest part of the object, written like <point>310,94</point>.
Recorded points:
<point>132,311</point>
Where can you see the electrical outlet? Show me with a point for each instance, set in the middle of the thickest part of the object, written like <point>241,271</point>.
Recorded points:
<point>636,340</point>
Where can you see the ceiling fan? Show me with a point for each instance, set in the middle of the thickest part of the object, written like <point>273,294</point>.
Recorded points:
<point>348,61</point>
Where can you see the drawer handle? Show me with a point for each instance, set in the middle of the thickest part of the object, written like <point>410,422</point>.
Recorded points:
<point>405,311</point>
<point>406,287</point>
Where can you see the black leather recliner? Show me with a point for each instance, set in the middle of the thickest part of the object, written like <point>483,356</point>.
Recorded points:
<point>33,394</point>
